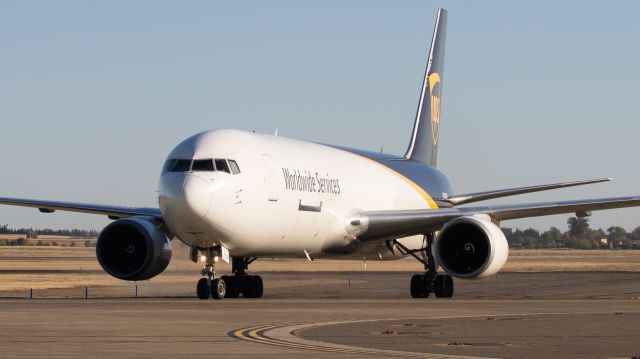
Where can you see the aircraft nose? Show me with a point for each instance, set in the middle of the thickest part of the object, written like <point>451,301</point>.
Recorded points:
<point>197,198</point>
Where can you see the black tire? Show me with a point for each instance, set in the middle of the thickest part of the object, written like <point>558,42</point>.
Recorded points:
<point>218,288</point>
<point>449,286</point>
<point>418,287</point>
<point>203,289</point>
<point>443,286</point>
<point>227,282</point>
<point>252,287</point>
<point>247,286</point>
<point>259,287</point>
<point>233,286</point>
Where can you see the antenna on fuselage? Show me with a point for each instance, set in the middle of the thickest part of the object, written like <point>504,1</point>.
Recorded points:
<point>276,134</point>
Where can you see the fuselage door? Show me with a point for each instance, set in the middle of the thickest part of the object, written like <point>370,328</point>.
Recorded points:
<point>270,178</point>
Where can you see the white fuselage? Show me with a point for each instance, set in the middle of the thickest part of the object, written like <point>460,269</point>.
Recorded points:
<point>289,197</point>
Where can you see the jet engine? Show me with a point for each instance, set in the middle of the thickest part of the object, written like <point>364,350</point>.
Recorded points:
<point>471,247</point>
<point>133,249</point>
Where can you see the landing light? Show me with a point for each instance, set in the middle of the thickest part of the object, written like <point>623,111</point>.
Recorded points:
<point>203,258</point>
<point>216,258</point>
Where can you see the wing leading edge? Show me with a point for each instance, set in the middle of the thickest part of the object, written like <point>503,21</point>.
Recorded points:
<point>483,196</point>
<point>113,212</point>
<point>379,226</point>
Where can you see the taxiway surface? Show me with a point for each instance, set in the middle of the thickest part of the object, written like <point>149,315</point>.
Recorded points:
<point>356,314</point>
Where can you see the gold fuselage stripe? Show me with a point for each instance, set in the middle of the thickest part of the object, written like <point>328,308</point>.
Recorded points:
<point>432,204</point>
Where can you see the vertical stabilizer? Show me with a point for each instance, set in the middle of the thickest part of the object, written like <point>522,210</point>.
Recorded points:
<point>426,129</point>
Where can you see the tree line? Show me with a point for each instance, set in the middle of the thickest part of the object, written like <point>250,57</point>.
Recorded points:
<point>29,237</point>
<point>40,243</point>
<point>33,233</point>
<point>578,236</point>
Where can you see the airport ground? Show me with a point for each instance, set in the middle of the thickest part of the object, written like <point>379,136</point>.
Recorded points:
<point>551,304</point>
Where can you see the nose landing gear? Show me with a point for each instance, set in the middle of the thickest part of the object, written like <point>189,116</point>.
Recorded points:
<point>239,283</point>
<point>210,286</point>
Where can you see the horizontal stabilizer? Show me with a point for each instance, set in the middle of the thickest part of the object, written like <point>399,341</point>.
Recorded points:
<point>483,196</point>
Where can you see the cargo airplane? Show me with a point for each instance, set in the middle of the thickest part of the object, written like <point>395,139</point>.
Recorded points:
<point>238,196</point>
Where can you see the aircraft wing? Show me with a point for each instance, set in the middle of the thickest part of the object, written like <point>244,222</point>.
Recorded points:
<point>483,196</point>
<point>114,212</point>
<point>379,226</point>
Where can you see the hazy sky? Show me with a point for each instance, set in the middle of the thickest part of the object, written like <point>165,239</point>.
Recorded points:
<point>93,96</point>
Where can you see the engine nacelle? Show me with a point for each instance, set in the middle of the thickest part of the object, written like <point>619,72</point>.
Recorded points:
<point>471,247</point>
<point>133,249</point>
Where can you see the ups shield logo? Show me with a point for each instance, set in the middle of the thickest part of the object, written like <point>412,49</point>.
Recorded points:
<point>435,90</point>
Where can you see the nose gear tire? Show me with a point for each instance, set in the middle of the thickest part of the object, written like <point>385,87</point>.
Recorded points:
<point>203,289</point>
<point>218,288</point>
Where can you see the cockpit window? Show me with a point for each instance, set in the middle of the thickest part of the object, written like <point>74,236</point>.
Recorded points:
<point>181,166</point>
<point>221,165</point>
<point>167,165</point>
<point>202,165</point>
<point>234,167</point>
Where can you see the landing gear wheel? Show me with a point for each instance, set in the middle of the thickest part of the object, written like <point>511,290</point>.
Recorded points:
<point>253,287</point>
<point>218,288</point>
<point>240,283</point>
<point>203,289</point>
<point>418,287</point>
<point>260,287</point>
<point>431,281</point>
<point>443,286</point>
<point>233,287</point>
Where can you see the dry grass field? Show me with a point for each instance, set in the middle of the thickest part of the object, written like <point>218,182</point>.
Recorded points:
<point>51,270</point>
<point>546,260</point>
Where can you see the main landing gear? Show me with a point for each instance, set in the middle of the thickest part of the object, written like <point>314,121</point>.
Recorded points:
<point>429,282</point>
<point>239,283</point>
